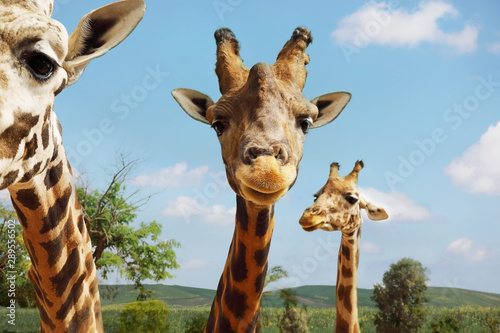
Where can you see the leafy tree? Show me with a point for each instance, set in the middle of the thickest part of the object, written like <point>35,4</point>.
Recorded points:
<point>295,318</point>
<point>274,274</point>
<point>149,316</point>
<point>136,252</point>
<point>401,297</point>
<point>11,239</point>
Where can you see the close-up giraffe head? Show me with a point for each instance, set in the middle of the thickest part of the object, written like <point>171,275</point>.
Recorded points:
<point>338,204</point>
<point>262,118</point>
<point>37,61</point>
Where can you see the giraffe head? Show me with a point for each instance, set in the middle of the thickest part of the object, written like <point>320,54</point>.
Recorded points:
<point>262,117</point>
<point>338,204</point>
<point>37,61</point>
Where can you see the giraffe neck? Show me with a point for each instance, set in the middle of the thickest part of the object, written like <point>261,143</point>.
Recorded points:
<point>237,301</point>
<point>62,268</point>
<point>347,288</point>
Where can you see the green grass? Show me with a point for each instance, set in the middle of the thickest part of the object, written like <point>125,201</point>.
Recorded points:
<point>27,321</point>
<point>467,319</point>
<point>472,311</point>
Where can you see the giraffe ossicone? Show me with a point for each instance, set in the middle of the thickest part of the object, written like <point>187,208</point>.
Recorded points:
<point>338,206</point>
<point>261,120</point>
<point>37,61</point>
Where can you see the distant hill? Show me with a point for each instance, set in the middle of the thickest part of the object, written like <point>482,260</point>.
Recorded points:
<point>172,295</point>
<point>312,296</point>
<point>324,296</point>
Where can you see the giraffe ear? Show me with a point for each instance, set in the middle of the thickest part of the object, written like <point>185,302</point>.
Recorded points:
<point>98,32</point>
<point>373,211</point>
<point>193,102</point>
<point>329,107</point>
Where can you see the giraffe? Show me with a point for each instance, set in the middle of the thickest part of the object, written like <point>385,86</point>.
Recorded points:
<point>37,61</point>
<point>261,121</point>
<point>338,206</point>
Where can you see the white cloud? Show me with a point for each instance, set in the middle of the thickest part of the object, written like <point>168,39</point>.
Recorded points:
<point>369,248</point>
<point>399,206</point>
<point>477,169</point>
<point>176,176</point>
<point>220,216</point>
<point>467,249</point>
<point>187,207</point>
<point>4,195</point>
<point>381,24</point>
<point>493,47</point>
<point>195,264</point>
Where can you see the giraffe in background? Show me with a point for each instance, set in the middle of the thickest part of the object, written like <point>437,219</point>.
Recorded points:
<point>338,206</point>
<point>261,121</point>
<point>37,61</point>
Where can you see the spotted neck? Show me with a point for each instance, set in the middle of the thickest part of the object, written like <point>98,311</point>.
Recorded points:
<point>236,304</point>
<point>62,270</point>
<point>347,288</point>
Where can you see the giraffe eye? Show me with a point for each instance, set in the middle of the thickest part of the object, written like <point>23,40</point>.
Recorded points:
<point>305,125</point>
<point>218,127</point>
<point>41,66</point>
<point>352,199</point>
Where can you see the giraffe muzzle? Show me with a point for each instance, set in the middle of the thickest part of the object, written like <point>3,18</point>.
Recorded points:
<point>312,219</point>
<point>265,180</point>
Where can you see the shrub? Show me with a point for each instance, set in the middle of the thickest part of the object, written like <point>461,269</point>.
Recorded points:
<point>445,325</point>
<point>294,320</point>
<point>147,316</point>
<point>196,323</point>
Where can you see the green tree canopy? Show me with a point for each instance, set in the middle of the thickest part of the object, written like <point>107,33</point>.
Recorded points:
<point>120,242</point>
<point>401,297</point>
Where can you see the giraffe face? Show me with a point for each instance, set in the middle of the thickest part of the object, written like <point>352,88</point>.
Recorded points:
<point>336,207</point>
<point>32,51</point>
<point>261,129</point>
<point>262,118</point>
<point>338,204</point>
<point>37,61</point>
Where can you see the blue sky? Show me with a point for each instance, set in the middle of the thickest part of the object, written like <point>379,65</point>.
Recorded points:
<point>424,117</point>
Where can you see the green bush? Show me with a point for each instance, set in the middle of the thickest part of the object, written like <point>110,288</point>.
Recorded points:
<point>294,320</point>
<point>196,323</point>
<point>147,316</point>
<point>445,325</point>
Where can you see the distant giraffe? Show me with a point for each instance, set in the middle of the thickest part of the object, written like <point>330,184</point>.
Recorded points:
<point>261,120</point>
<point>37,61</point>
<point>338,206</point>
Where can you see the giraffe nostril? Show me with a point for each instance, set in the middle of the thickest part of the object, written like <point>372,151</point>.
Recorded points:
<point>277,151</point>
<point>280,154</point>
<point>253,153</point>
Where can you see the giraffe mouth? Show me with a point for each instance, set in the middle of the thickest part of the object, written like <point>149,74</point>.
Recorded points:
<point>265,181</point>
<point>312,219</point>
<point>260,197</point>
<point>312,228</point>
